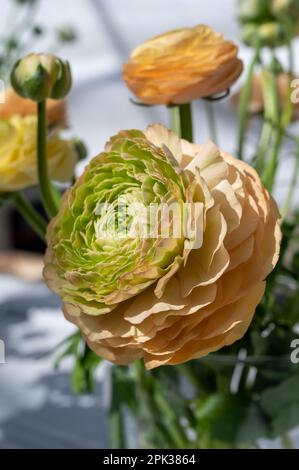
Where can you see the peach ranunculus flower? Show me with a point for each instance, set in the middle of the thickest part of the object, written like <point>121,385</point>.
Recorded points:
<point>16,105</point>
<point>18,161</point>
<point>165,300</point>
<point>182,65</point>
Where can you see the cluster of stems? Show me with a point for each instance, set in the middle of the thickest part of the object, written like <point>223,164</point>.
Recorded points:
<point>275,122</point>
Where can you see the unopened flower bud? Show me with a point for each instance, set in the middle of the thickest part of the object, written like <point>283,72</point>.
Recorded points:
<point>253,10</point>
<point>41,76</point>
<point>272,34</point>
<point>80,148</point>
<point>249,34</point>
<point>285,7</point>
<point>66,34</point>
<point>269,34</point>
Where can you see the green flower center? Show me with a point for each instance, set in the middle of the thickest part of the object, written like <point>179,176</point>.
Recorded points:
<point>105,245</point>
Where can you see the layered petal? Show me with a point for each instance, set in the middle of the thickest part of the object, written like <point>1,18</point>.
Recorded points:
<point>182,65</point>
<point>166,299</point>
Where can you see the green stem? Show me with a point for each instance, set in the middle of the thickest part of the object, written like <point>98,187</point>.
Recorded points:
<point>264,145</point>
<point>286,119</point>
<point>271,168</point>
<point>288,107</point>
<point>43,176</point>
<point>186,121</point>
<point>276,126</point>
<point>287,442</point>
<point>244,102</point>
<point>175,122</point>
<point>30,215</point>
<point>164,418</point>
<point>181,121</point>
<point>209,108</point>
<point>271,104</point>
<point>272,110</point>
<point>176,430</point>
<point>117,427</point>
<point>293,185</point>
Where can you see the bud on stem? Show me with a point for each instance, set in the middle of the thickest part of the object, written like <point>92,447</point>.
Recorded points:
<point>41,76</point>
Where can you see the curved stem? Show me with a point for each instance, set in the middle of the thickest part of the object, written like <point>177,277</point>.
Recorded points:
<point>181,121</point>
<point>244,102</point>
<point>30,215</point>
<point>43,176</point>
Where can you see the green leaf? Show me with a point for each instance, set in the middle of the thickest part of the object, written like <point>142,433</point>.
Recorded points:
<point>275,399</point>
<point>126,393</point>
<point>79,379</point>
<point>82,378</point>
<point>71,348</point>
<point>228,419</point>
<point>286,420</point>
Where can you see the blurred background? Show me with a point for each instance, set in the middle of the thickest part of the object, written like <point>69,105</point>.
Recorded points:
<point>37,407</point>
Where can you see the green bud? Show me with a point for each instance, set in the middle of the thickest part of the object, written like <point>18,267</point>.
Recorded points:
<point>66,34</point>
<point>285,7</point>
<point>270,34</point>
<point>41,76</point>
<point>80,148</point>
<point>249,34</point>
<point>253,10</point>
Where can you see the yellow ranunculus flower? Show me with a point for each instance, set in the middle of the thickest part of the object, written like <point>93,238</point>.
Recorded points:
<point>18,160</point>
<point>182,65</point>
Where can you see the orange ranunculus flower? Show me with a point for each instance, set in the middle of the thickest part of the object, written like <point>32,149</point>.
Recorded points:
<point>165,301</point>
<point>16,105</point>
<point>182,65</point>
